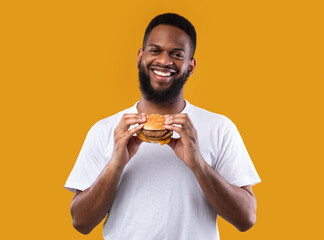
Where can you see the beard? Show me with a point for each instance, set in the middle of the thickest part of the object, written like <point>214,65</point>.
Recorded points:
<point>160,96</point>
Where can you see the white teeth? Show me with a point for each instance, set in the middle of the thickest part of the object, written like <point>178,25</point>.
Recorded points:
<point>163,74</point>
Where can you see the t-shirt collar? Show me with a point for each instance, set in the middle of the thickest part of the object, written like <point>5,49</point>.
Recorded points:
<point>187,109</point>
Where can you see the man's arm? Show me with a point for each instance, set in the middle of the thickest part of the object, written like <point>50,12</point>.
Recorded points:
<point>90,206</point>
<point>236,205</point>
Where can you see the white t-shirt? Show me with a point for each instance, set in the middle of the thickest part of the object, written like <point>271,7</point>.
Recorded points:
<point>158,196</point>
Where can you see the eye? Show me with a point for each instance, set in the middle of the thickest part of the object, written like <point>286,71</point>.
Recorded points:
<point>178,55</point>
<point>153,50</point>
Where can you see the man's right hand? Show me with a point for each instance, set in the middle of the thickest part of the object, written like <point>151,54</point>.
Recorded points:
<point>90,206</point>
<point>126,145</point>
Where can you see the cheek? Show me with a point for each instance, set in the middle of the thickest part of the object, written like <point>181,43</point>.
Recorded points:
<point>184,68</point>
<point>147,60</point>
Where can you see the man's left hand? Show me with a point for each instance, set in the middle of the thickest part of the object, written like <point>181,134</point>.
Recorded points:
<point>186,147</point>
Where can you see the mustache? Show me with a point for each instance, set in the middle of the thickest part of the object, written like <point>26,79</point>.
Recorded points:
<point>171,67</point>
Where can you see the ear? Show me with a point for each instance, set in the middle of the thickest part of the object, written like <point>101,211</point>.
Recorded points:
<point>192,66</point>
<point>139,56</point>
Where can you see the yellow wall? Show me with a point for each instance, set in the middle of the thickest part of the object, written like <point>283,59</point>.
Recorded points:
<point>67,64</point>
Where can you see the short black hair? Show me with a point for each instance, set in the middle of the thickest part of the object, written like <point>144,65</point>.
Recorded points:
<point>173,20</point>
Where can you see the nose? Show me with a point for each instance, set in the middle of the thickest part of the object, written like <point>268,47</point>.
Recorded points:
<point>164,59</point>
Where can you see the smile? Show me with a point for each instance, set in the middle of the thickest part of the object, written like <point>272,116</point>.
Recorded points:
<point>162,74</point>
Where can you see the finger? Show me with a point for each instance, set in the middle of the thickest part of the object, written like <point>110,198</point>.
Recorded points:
<point>173,142</point>
<point>133,145</point>
<point>137,140</point>
<point>132,115</point>
<point>177,118</point>
<point>190,122</point>
<point>180,119</point>
<point>185,136</point>
<point>132,131</point>
<point>123,138</point>
<point>177,129</point>
<point>177,115</point>
<point>130,119</point>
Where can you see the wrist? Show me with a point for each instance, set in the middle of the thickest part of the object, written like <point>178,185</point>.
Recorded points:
<point>116,166</point>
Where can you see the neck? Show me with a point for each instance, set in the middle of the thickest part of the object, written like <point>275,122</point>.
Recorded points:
<point>176,106</point>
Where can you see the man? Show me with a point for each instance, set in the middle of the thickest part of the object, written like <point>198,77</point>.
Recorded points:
<point>171,191</point>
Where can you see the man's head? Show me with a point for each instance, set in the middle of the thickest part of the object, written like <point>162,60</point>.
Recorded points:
<point>166,60</point>
<point>175,20</point>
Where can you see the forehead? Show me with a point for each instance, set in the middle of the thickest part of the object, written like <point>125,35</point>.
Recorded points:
<point>169,36</point>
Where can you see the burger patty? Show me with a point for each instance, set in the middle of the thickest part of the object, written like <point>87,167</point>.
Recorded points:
<point>155,133</point>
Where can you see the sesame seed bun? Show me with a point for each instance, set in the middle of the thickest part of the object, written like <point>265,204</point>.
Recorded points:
<point>153,130</point>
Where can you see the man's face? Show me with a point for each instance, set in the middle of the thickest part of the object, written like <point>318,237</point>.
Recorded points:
<point>165,64</point>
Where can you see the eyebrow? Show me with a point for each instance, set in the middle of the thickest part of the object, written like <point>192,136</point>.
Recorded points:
<point>174,49</point>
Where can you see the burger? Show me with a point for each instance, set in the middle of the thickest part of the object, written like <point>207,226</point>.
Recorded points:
<point>153,130</point>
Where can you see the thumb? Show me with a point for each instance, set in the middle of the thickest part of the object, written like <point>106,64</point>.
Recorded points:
<point>173,142</point>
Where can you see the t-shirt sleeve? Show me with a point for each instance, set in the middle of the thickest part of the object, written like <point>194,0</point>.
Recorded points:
<point>90,162</point>
<point>234,162</point>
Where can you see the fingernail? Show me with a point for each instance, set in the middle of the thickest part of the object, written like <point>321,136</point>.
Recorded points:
<point>166,118</point>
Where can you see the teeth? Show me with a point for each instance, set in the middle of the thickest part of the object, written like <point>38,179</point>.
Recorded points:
<point>163,74</point>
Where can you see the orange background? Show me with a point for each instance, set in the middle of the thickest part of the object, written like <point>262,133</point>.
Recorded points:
<point>67,64</point>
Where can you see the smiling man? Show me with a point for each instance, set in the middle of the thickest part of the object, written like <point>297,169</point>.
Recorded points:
<point>167,60</point>
<point>171,191</point>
